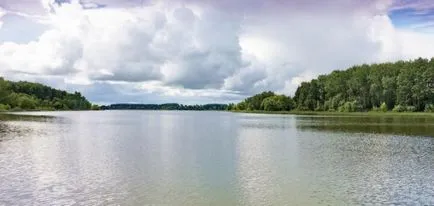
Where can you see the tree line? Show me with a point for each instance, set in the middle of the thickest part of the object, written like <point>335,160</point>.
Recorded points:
<point>169,106</point>
<point>24,95</point>
<point>403,86</point>
<point>266,101</point>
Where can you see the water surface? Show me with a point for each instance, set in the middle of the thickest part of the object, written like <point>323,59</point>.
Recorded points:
<point>215,158</point>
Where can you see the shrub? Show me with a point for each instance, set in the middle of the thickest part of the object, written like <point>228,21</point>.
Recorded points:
<point>357,106</point>
<point>28,103</point>
<point>429,108</point>
<point>353,106</point>
<point>383,107</point>
<point>4,107</point>
<point>399,108</point>
<point>411,109</point>
<point>375,109</point>
<point>16,109</point>
<point>319,108</point>
<point>344,108</point>
<point>328,105</point>
<point>241,106</point>
<point>303,108</point>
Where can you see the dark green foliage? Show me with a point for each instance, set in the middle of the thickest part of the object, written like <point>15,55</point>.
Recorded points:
<point>27,102</point>
<point>277,103</point>
<point>411,109</point>
<point>4,107</point>
<point>35,96</point>
<point>241,106</point>
<point>95,107</point>
<point>267,101</point>
<point>353,106</point>
<point>230,107</point>
<point>383,107</point>
<point>429,108</point>
<point>255,102</point>
<point>409,84</point>
<point>399,108</point>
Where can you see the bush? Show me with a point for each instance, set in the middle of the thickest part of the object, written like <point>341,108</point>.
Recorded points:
<point>328,105</point>
<point>303,108</point>
<point>411,109</point>
<point>16,109</point>
<point>27,103</point>
<point>347,107</point>
<point>319,107</point>
<point>4,107</point>
<point>277,103</point>
<point>241,106</point>
<point>383,107</point>
<point>399,108</point>
<point>429,108</point>
<point>375,109</point>
<point>353,106</point>
<point>45,108</point>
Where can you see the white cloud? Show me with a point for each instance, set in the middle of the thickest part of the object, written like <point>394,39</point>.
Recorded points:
<point>132,45</point>
<point>204,50</point>
<point>2,13</point>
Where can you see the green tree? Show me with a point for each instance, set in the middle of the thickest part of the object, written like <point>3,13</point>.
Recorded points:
<point>241,106</point>
<point>409,84</point>
<point>254,102</point>
<point>95,107</point>
<point>277,103</point>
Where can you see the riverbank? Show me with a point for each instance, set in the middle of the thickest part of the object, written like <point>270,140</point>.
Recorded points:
<point>418,114</point>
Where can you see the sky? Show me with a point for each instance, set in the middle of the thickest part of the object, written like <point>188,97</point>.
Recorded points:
<point>202,51</point>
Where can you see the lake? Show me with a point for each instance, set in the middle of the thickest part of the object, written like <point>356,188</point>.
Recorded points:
<point>215,158</point>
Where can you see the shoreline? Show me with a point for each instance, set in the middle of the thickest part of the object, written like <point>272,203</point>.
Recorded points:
<point>313,113</point>
<point>300,113</point>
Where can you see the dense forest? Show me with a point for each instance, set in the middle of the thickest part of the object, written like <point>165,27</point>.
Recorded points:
<point>170,106</point>
<point>404,86</point>
<point>267,101</point>
<point>34,96</point>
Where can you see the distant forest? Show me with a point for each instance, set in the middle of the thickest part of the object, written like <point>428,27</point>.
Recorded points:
<point>170,106</point>
<point>34,96</point>
<point>404,86</point>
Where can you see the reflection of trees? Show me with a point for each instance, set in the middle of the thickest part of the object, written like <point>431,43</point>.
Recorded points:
<point>345,167</point>
<point>420,126</point>
<point>367,168</point>
<point>10,130</point>
<point>3,131</point>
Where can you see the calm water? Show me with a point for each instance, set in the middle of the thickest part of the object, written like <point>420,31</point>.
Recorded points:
<point>215,158</point>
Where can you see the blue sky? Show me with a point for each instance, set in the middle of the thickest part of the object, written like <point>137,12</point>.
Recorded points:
<point>413,19</point>
<point>192,51</point>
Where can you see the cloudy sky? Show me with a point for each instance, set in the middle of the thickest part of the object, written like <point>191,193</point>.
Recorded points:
<point>202,51</point>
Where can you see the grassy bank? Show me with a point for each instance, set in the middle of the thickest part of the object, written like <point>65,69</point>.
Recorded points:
<point>294,112</point>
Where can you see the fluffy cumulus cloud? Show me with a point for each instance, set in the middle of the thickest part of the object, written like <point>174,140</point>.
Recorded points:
<point>203,51</point>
